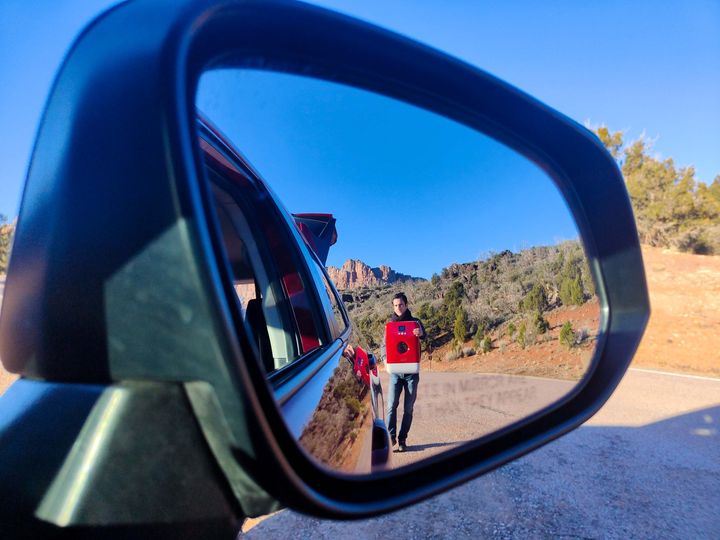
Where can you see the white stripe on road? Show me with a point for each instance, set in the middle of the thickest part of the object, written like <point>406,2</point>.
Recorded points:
<point>716,379</point>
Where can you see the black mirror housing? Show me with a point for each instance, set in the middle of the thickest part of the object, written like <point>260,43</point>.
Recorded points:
<point>116,280</point>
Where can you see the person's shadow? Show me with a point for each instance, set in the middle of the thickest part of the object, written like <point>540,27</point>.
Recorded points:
<point>421,447</point>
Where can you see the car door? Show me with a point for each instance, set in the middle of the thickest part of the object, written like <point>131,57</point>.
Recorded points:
<point>287,302</point>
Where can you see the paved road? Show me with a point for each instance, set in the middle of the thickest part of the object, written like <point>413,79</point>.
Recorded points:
<point>456,407</point>
<point>646,466</point>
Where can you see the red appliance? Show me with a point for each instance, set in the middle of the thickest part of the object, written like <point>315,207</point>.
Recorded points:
<point>361,366</point>
<point>402,347</point>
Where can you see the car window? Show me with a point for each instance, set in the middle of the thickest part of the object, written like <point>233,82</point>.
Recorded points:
<point>337,320</point>
<point>269,285</point>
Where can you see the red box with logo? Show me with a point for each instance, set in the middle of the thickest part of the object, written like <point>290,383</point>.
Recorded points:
<point>402,347</point>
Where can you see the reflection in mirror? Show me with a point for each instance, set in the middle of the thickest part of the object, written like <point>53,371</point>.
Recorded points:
<point>498,316</point>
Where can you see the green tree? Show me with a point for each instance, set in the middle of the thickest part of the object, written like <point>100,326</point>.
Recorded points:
<point>567,336</point>
<point>429,317</point>
<point>586,278</point>
<point>460,327</point>
<point>535,300</point>
<point>612,141</point>
<point>571,291</point>
<point>479,336</point>
<point>714,189</point>
<point>521,335</point>
<point>371,329</point>
<point>453,296</point>
<point>540,324</point>
<point>486,345</point>
<point>672,208</point>
<point>452,301</point>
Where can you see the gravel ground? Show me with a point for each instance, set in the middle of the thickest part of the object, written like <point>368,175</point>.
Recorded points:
<point>646,466</point>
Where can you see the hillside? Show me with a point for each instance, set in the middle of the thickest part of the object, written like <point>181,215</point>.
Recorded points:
<point>502,314</point>
<point>489,292</point>
<point>683,334</point>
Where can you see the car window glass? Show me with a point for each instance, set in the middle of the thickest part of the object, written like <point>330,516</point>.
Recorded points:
<point>339,323</point>
<point>270,289</point>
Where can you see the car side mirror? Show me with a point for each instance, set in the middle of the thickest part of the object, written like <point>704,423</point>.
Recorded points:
<point>121,301</point>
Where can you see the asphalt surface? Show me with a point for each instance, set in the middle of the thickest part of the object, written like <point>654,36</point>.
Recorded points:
<point>453,408</point>
<point>646,466</point>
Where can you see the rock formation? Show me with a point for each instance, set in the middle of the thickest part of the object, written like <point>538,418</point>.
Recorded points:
<point>354,274</point>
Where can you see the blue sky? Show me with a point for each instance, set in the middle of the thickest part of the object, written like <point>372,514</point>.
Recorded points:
<point>409,189</point>
<point>644,67</point>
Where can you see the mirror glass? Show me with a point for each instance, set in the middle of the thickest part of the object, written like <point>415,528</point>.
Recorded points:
<point>464,246</point>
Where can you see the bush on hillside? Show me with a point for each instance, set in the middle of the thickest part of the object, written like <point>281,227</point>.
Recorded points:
<point>522,335</point>
<point>540,324</point>
<point>571,291</point>
<point>452,355</point>
<point>486,345</point>
<point>535,300</point>
<point>567,336</point>
<point>460,326</point>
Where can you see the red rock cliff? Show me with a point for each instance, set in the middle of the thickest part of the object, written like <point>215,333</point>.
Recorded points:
<point>355,274</point>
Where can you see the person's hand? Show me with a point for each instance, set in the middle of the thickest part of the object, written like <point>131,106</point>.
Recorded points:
<point>417,332</point>
<point>349,353</point>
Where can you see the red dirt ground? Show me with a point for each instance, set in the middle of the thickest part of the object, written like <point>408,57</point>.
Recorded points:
<point>683,334</point>
<point>543,358</point>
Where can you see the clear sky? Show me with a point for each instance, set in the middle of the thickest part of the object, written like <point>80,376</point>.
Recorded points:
<point>409,189</point>
<point>646,66</point>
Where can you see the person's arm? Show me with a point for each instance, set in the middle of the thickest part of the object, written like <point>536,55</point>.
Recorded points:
<point>423,334</point>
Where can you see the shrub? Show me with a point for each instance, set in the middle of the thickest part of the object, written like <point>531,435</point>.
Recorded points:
<point>486,345</point>
<point>452,355</point>
<point>353,404</point>
<point>479,335</point>
<point>511,329</point>
<point>540,324</point>
<point>521,335</point>
<point>468,351</point>
<point>460,327</point>
<point>694,241</point>
<point>567,336</point>
<point>571,291</point>
<point>535,300</point>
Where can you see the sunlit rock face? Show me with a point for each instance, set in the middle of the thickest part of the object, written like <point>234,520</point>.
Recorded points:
<point>354,274</point>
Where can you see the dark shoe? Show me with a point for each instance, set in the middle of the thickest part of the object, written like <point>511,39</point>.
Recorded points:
<point>393,441</point>
<point>402,447</point>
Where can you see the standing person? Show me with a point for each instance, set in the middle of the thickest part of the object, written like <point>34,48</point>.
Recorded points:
<point>399,382</point>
